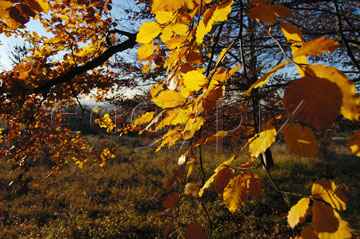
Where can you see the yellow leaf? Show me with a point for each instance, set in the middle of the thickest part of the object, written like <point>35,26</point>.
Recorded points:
<point>169,99</point>
<point>234,194</point>
<point>330,193</point>
<point>171,200</point>
<point>163,17</point>
<point>298,212</point>
<point>195,231</point>
<point>179,28</point>
<point>43,4</point>
<point>266,77</point>
<point>144,118</point>
<point>328,224</point>
<point>191,189</point>
<point>148,32</point>
<point>262,142</point>
<point>166,33</point>
<point>216,137</point>
<point>166,5</point>
<point>350,107</point>
<point>176,42</point>
<point>217,13</point>
<point>291,32</point>
<point>313,100</point>
<point>354,143</point>
<point>145,51</point>
<point>300,140</point>
<point>222,11</point>
<point>317,46</point>
<point>194,80</point>
<point>156,88</point>
<point>222,178</point>
<point>146,68</point>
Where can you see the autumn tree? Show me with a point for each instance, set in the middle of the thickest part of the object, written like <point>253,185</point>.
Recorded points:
<point>204,55</point>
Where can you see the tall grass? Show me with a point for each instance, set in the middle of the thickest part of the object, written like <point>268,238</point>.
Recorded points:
<point>124,198</point>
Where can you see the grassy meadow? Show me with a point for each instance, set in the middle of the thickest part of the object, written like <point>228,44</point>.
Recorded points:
<point>124,198</point>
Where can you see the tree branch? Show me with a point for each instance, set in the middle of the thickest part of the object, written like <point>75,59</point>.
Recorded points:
<point>98,61</point>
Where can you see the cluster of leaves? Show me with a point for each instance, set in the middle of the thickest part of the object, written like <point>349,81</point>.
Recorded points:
<point>190,92</point>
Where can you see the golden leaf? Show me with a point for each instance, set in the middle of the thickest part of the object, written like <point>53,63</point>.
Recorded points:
<point>195,231</point>
<point>171,200</point>
<point>222,178</point>
<point>313,100</point>
<point>156,88</point>
<point>163,17</point>
<point>148,32</point>
<point>166,5</point>
<point>354,143</point>
<point>194,80</point>
<point>300,140</point>
<point>266,77</point>
<point>234,194</point>
<point>216,137</point>
<point>146,68</point>
<point>145,51</point>
<point>144,118</point>
<point>328,224</point>
<point>262,142</point>
<point>291,33</point>
<point>317,46</point>
<point>330,193</point>
<point>191,189</point>
<point>350,107</point>
<point>169,99</point>
<point>298,212</point>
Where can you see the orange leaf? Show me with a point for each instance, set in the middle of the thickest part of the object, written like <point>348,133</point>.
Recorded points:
<point>216,137</point>
<point>195,231</point>
<point>298,212</point>
<point>300,140</point>
<point>166,5</point>
<point>317,46</point>
<point>222,179</point>
<point>171,200</point>
<point>313,100</point>
<point>354,143</point>
<point>291,32</point>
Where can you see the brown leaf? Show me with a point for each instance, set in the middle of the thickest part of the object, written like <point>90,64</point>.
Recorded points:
<point>195,231</point>
<point>171,200</point>
<point>222,179</point>
<point>308,100</point>
<point>300,140</point>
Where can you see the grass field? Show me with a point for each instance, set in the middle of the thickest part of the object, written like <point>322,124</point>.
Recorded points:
<point>124,198</point>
